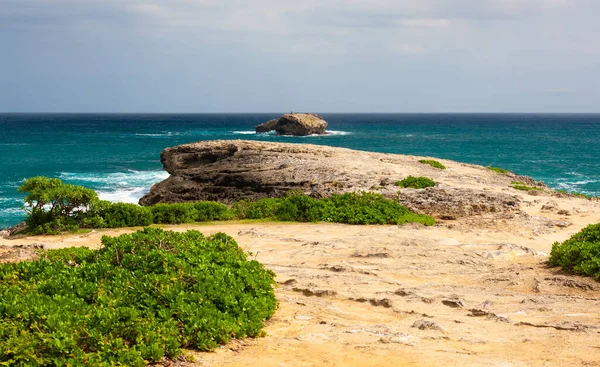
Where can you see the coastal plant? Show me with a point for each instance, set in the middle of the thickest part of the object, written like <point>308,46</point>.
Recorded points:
<point>578,194</point>
<point>579,254</point>
<point>53,205</point>
<point>498,170</point>
<point>523,187</point>
<point>432,163</point>
<point>351,208</point>
<point>416,182</point>
<point>141,297</point>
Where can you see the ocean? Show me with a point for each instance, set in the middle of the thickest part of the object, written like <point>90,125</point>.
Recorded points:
<point>118,154</point>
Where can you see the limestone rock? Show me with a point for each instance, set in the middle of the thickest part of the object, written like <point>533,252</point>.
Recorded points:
<point>299,124</point>
<point>230,170</point>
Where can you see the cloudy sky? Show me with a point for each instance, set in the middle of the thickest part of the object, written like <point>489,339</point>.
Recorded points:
<point>309,55</point>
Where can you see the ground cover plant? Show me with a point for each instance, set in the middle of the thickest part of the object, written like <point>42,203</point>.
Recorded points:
<point>432,163</point>
<point>142,297</point>
<point>580,253</point>
<point>351,208</point>
<point>578,194</point>
<point>523,187</point>
<point>416,182</point>
<point>498,170</point>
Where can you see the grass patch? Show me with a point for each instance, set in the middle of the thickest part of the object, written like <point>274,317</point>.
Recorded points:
<point>498,170</point>
<point>432,163</point>
<point>579,254</point>
<point>416,182</point>
<point>142,297</point>
<point>523,187</point>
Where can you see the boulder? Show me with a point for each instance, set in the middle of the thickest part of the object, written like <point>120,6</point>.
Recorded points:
<point>299,124</point>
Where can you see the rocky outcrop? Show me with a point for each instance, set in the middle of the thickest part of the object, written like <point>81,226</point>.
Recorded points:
<point>231,170</point>
<point>299,124</point>
<point>5,233</point>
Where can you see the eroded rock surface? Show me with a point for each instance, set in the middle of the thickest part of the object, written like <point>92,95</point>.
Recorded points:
<point>300,124</point>
<point>231,170</point>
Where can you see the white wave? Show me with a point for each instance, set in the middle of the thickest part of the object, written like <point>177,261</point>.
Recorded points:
<point>9,212</point>
<point>164,133</point>
<point>130,195</point>
<point>125,179</point>
<point>338,132</point>
<point>127,186</point>
<point>244,132</point>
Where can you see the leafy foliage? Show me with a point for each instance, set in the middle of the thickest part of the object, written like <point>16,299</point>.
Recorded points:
<point>580,253</point>
<point>416,182</point>
<point>52,206</point>
<point>521,186</point>
<point>432,163</point>
<point>352,208</point>
<point>498,170</point>
<point>141,297</point>
<point>178,213</point>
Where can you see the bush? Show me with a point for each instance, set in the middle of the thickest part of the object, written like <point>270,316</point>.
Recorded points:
<point>53,206</point>
<point>175,213</point>
<point>521,186</point>
<point>117,215</point>
<point>207,211</point>
<point>498,170</point>
<point>432,163</point>
<point>416,182</point>
<point>364,208</point>
<point>350,208</point>
<point>260,209</point>
<point>142,297</point>
<point>580,253</point>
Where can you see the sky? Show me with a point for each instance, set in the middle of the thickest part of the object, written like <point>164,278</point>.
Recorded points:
<point>369,56</point>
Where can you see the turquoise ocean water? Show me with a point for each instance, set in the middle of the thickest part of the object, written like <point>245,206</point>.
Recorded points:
<point>118,155</point>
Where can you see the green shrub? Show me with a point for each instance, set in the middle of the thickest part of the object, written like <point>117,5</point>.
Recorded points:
<point>53,206</point>
<point>432,163</point>
<point>350,208</point>
<point>498,170</point>
<point>207,211</point>
<point>142,297</point>
<point>521,186</point>
<point>260,209</point>
<point>175,213</point>
<point>416,182</point>
<point>369,208</point>
<point>580,253</point>
<point>117,215</point>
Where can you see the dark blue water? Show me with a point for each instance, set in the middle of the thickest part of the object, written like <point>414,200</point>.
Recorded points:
<point>118,155</point>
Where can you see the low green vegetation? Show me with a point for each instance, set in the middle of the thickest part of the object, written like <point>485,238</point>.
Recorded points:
<point>580,253</point>
<point>523,187</point>
<point>48,216</point>
<point>498,170</point>
<point>142,297</point>
<point>432,163</point>
<point>416,182</point>
<point>578,194</point>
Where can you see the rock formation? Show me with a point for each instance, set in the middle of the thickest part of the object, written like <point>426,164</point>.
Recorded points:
<point>299,124</point>
<point>231,170</point>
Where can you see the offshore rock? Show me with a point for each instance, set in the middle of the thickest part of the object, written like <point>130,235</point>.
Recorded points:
<point>299,124</point>
<point>230,170</point>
